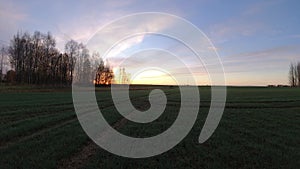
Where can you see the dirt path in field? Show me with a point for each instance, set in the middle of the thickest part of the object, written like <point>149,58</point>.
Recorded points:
<point>79,159</point>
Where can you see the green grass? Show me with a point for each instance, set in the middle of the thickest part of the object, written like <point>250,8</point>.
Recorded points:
<point>44,151</point>
<point>259,129</point>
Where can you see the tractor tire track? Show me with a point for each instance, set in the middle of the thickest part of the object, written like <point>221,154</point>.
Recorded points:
<point>5,145</point>
<point>79,159</point>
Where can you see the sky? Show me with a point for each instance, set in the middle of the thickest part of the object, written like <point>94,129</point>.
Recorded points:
<point>255,40</point>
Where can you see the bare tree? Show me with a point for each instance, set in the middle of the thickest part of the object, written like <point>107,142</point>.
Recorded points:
<point>72,50</point>
<point>291,75</point>
<point>104,74</point>
<point>87,70</point>
<point>84,65</point>
<point>294,74</point>
<point>3,54</point>
<point>36,60</point>
<point>298,74</point>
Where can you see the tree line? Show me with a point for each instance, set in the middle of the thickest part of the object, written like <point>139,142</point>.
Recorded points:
<point>294,74</point>
<point>35,59</point>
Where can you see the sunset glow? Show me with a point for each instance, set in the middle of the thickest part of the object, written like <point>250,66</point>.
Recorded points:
<point>153,77</point>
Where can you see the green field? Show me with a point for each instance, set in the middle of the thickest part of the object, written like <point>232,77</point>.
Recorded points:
<point>260,128</point>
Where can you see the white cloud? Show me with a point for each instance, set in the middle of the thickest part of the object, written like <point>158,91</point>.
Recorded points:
<point>132,29</point>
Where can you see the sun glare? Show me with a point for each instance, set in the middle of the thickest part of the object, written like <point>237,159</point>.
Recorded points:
<point>152,77</point>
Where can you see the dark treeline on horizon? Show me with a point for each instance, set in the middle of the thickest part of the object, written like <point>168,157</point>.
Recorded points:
<point>36,60</point>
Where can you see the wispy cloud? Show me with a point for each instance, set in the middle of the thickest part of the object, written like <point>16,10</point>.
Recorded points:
<point>132,29</point>
<point>247,23</point>
<point>259,7</point>
<point>233,28</point>
<point>82,27</point>
<point>11,16</point>
<point>297,36</point>
<point>263,63</point>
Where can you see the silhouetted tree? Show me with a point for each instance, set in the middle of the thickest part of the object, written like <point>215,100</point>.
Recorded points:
<point>10,76</point>
<point>298,73</point>
<point>294,75</point>
<point>2,61</point>
<point>87,70</point>
<point>36,60</point>
<point>84,70</point>
<point>72,50</point>
<point>104,74</point>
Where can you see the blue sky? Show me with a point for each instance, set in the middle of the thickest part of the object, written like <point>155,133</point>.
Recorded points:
<point>256,40</point>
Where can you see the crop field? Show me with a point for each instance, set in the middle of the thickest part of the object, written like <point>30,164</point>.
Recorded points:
<point>260,128</point>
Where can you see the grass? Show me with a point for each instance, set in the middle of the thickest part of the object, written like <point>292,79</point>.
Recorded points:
<point>44,151</point>
<point>259,129</point>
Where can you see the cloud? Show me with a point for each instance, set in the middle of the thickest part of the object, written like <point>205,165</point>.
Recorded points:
<point>235,27</point>
<point>296,36</point>
<point>81,28</point>
<point>89,20</point>
<point>11,16</point>
<point>119,49</point>
<point>118,4</point>
<point>259,7</point>
<point>247,23</point>
<point>125,34</point>
<point>262,62</point>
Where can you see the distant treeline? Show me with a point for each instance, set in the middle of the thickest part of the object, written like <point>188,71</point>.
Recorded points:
<point>294,74</point>
<point>36,60</point>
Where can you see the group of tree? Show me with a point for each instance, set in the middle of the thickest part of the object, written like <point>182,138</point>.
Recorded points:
<point>294,74</point>
<point>36,60</point>
<point>104,75</point>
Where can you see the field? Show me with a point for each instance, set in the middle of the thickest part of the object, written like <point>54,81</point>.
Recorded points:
<point>260,128</point>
